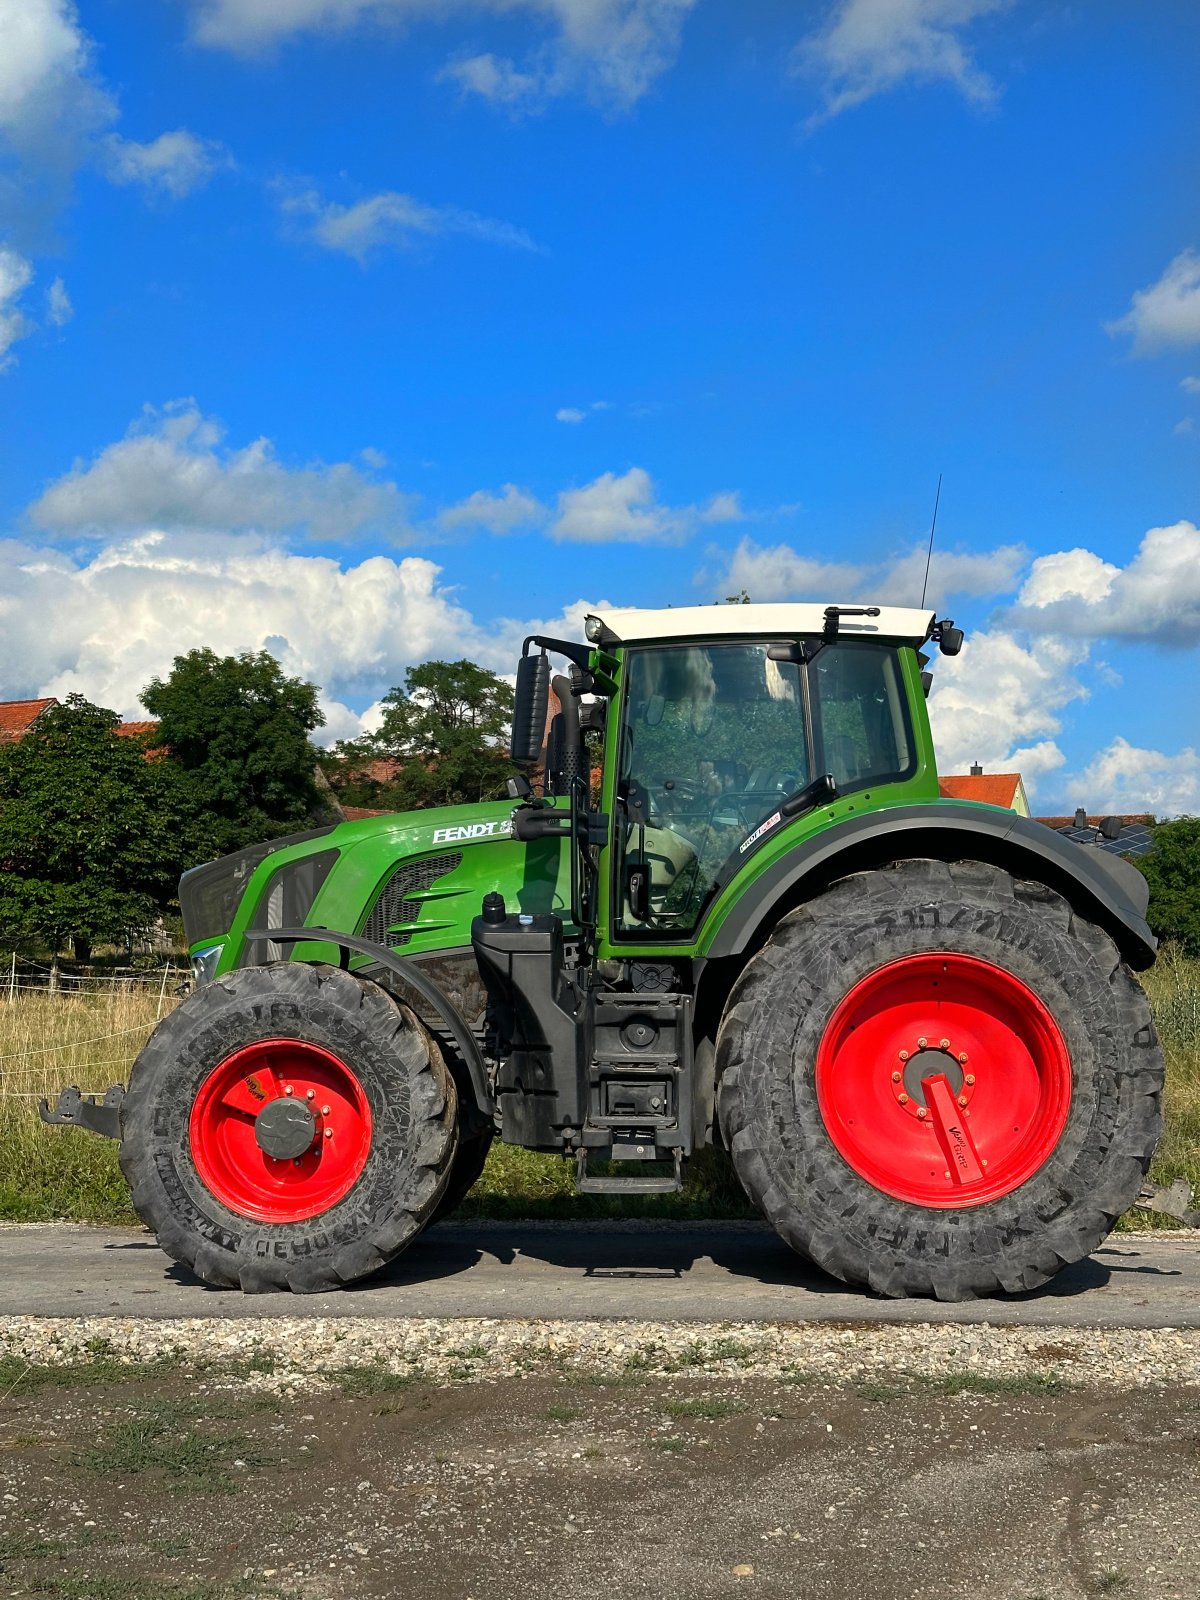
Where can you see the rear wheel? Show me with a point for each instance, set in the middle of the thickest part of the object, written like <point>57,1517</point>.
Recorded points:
<point>936,1079</point>
<point>290,1127</point>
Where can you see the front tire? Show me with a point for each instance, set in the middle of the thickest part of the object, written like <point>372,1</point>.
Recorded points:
<point>844,1057</point>
<point>288,1127</point>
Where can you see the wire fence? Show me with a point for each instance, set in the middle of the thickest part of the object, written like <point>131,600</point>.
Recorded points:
<point>59,1027</point>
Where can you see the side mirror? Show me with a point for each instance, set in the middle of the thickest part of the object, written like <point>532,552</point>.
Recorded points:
<point>530,704</point>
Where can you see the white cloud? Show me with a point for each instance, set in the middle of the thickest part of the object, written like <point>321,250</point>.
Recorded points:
<point>726,507</point>
<point>496,78</point>
<point>172,471</point>
<point>1192,385</point>
<point>49,99</point>
<point>16,274</point>
<point>868,47</point>
<point>612,50</point>
<point>494,513</point>
<point>59,309</point>
<point>1124,779</point>
<point>616,508</point>
<point>124,614</point>
<point>1168,312</point>
<point>1000,703</point>
<point>1156,597</point>
<point>172,165</point>
<point>780,572</point>
<point>569,414</point>
<point>393,220</point>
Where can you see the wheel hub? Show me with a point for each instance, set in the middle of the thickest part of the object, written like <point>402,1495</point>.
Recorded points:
<point>284,1129</point>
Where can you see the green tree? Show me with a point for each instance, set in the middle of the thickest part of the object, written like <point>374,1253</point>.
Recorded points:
<point>93,831</point>
<point>1172,870</point>
<point>448,727</point>
<point>239,728</point>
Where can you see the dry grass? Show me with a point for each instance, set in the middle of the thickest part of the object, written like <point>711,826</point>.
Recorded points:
<point>48,1041</point>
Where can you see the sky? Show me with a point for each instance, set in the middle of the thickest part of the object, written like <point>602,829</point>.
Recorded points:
<point>371,331</point>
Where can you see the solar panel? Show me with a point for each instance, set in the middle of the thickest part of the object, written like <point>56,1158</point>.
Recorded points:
<point>1134,839</point>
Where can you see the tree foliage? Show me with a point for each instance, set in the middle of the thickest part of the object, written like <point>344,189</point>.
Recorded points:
<point>93,835</point>
<point>1172,870</point>
<point>239,728</point>
<point>442,742</point>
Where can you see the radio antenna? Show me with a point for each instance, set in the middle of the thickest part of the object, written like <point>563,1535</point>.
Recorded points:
<point>932,530</point>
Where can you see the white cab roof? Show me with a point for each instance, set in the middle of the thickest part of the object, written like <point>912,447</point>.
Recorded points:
<point>762,622</point>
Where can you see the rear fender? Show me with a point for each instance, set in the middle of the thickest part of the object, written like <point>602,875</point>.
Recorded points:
<point>1100,886</point>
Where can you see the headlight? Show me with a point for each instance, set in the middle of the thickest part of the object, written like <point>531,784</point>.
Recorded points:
<point>593,629</point>
<point>204,964</point>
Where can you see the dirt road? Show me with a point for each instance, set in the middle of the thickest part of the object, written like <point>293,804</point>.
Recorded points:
<point>557,1488</point>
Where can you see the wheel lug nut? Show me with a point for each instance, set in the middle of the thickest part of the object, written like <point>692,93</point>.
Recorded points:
<point>329,1133</point>
<point>921,1043</point>
<point>287,1088</point>
<point>324,1111</point>
<point>903,1099</point>
<point>945,1044</point>
<point>310,1094</point>
<point>962,1056</point>
<point>970,1078</point>
<point>895,1077</point>
<point>922,1113</point>
<point>962,1099</point>
<point>904,1055</point>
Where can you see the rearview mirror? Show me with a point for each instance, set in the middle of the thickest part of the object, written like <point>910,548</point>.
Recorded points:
<point>530,704</point>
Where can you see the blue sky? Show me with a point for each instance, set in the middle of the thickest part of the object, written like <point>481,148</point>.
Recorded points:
<point>370,330</point>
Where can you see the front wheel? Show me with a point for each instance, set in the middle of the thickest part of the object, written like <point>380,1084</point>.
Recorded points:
<point>936,1079</point>
<point>288,1127</point>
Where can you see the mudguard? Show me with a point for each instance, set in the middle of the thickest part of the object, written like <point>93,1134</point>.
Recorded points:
<point>1101,886</point>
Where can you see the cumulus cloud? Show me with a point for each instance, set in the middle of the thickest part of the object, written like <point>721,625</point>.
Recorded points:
<point>505,512</point>
<point>612,50</point>
<point>174,471</point>
<point>780,572</point>
<point>569,414</point>
<point>624,508</point>
<point>16,274</point>
<point>1000,703</point>
<point>392,220</point>
<point>1156,597</point>
<point>50,100</point>
<point>173,165</point>
<point>868,47</point>
<point>1124,778</point>
<point>123,614</point>
<point>1167,314</point>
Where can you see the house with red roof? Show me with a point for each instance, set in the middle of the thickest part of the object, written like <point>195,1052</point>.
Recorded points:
<point>18,716</point>
<point>988,788</point>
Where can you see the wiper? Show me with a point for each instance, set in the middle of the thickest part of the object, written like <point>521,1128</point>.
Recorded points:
<point>812,794</point>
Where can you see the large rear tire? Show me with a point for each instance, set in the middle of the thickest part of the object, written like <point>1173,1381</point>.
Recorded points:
<point>936,1079</point>
<point>288,1127</point>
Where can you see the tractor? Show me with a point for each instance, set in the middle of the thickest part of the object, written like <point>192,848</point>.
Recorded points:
<point>734,911</point>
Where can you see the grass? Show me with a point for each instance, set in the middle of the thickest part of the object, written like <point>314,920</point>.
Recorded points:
<point>708,1407</point>
<point>165,1437</point>
<point>47,1041</point>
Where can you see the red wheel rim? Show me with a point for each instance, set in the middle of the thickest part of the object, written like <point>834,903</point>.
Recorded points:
<point>226,1128</point>
<point>943,1080</point>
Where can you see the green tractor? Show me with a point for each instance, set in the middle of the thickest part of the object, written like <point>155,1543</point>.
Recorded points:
<point>738,913</point>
